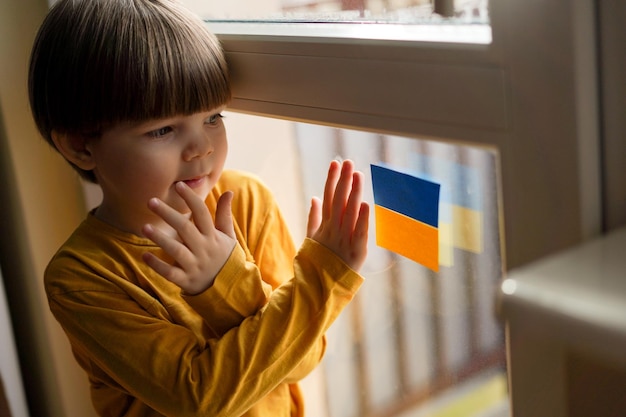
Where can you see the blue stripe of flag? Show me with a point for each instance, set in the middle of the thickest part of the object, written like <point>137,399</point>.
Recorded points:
<point>406,194</point>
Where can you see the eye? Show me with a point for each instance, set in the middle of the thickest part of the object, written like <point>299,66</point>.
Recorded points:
<point>214,119</point>
<point>159,133</point>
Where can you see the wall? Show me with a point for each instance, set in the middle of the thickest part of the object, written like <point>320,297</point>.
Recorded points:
<point>40,204</point>
<point>12,397</point>
<point>612,54</point>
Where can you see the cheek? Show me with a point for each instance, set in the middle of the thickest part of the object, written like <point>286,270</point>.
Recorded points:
<point>155,173</point>
<point>145,175</point>
<point>222,146</point>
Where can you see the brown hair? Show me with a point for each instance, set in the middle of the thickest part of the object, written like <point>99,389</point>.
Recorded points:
<point>96,63</point>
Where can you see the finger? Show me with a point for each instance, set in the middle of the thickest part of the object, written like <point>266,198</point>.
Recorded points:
<point>352,208</point>
<point>329,188</point>
<point>360,237</point>
<point>199,211</point>
<point>171,216</point>
<point>361,227</point>
<point>187,230</point>
<point>223,215</point>
<point>342,191</point>
<point>315,217</point>
<point>167,271</point>
<point>178,251</point>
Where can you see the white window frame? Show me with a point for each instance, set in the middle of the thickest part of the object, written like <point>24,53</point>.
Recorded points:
<point>531,93</point>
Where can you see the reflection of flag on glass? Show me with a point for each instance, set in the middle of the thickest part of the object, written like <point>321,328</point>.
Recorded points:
<point>407,211</point>
<point>461,205</point>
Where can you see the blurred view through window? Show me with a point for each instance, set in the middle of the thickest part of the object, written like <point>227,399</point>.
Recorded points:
<point>380,11</point>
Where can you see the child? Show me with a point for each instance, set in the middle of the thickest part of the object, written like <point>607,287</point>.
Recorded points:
<point>182,293</point>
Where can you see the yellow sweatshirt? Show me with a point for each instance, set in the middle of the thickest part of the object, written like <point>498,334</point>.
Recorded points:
<point>237,349</point>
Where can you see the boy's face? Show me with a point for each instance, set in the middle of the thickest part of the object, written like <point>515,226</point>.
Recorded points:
<point>135,162</point>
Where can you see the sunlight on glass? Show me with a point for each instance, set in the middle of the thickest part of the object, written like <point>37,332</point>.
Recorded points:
<point>362,11</point>
<point>465,21</point>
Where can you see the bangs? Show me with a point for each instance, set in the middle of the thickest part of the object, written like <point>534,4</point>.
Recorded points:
<point>147,60</point>
<point>180,70</point>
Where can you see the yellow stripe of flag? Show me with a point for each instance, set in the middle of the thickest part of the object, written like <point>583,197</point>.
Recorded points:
<point>407,237</point>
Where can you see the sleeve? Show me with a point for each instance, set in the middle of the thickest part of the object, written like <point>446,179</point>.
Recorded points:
<point>271,246</point>
<point>260,226</point>
<point>165,366</point>
<point>238,292</point>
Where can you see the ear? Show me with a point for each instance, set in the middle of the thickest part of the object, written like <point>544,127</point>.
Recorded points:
<point>75,149</point>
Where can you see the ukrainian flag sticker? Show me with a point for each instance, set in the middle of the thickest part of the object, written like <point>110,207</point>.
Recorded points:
<point>406,209</point>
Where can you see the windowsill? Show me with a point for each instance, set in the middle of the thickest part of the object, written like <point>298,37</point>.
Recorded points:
<point>578,296</point>
<point>478,34</point>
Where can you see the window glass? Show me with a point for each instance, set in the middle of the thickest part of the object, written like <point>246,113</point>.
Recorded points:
<point>414,342</point>
<point>461,12</point>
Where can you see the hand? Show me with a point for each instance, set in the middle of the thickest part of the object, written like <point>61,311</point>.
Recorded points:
<point>340,222</point>
<point>202,248</point>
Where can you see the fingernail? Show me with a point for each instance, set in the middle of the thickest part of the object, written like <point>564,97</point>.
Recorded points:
<point>147,229</point>
<point>153,202</point>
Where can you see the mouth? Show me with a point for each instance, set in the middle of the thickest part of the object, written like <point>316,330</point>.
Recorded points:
<point>196,181</point>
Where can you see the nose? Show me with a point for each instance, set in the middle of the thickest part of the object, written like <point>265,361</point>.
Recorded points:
<point>199,145</point>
